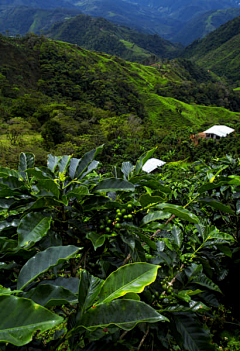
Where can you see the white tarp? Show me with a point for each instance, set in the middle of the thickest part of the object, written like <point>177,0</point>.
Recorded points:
<point>219,130</point>
<point>152,164</point>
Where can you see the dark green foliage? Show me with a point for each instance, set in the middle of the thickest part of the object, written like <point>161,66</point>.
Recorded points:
<point>52,132</point>
<point>126,259</point>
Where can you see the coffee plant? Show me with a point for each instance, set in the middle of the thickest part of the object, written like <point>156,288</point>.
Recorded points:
<point>126,260</point>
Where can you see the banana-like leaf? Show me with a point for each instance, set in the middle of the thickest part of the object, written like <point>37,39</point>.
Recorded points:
<point>143,159</point>
<point>193,335</point>
<point>32,228</point>
<point>20,318</point>
<point>179,211</point>
<point>26,160</point>
<point>113,184</point>
<point>129,278</point>
<point>154,216</point>
<point>89,289</point>
<point>49,295</point>
<point>43,261</point>
<point>217,204</point>
<point>53,161</point>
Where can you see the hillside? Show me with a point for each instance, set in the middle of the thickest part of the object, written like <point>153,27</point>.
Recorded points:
<point>203,24</point>
<point>22,19</point>
<point>59,97</point>
<point>219,51</point>
<point>101,35</point>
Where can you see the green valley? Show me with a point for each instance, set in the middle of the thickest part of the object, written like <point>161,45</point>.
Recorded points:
<point>61,98</point>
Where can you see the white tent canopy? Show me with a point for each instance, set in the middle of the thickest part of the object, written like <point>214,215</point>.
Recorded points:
<point>152,164</point>
<point>219,130</point>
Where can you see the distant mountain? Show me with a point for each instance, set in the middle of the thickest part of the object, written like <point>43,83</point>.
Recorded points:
<point>22,19</point>
<point>184,10</point>
<point>203,24</point>
<point>98,34</point>
<point>173,20</point>
<point>219,51</point>
<point>42,4</point>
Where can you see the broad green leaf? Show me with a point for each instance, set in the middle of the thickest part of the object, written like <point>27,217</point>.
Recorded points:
<point>12,183</point>
<point>125,314</point>
<point>149,242</point>
<point>46,202</point>
<point>179,211</point>
<point>89,289</point>
<point>225,249</point>
<point>93,165</point>
<point>78,192</point>
<point>5,172</point>
<point>216,204</point>
<point>203,280</point>
<point>43,261</point>
<point>143,159</point>
<point>78,166</point>
<point>193,270</point>
<point>147,199</point>
<point>20,318</point>
<point>177,235</point>
<point>53,161</point>
<point>96,239</point>
<point>113,184</point>
<point>49,295</point>
<point>132,296</point>
<point>37,173</point>
<point>47,187</point>
<point>26,160</point>
<point>127,168</point>
<point>210,186</point>
<point>70,283</point>
<point>215,234</point>
<point>63,163</point>
<point>154,216</point>
<point>6,203</point>
<point>194,336</point>
<point>129,278</point>
<point>32,228</point>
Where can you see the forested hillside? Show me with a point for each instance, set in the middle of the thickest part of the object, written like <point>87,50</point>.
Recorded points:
<point>203,24</point>
<point>219,51</point>
<point>99,34</point>
<point>60,97</point>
